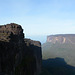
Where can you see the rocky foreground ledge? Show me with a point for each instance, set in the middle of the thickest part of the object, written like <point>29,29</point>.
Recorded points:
<point>18,56</point>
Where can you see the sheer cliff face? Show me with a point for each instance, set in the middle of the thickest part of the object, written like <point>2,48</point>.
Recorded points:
<point>64,38</point>
<point>34,52</point>
<point>18,56</point>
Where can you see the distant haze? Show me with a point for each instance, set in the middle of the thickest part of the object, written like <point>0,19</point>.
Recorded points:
<point>40,17</point>
<point>40,38</point>
<point>60,46</point>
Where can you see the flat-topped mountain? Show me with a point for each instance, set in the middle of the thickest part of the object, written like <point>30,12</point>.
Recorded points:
<point>61,38</point>
<point>62,45</point>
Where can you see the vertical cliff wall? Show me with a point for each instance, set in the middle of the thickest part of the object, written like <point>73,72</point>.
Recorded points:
<point>34,55</point>
<point>61,38</point>
<point>18,56</point>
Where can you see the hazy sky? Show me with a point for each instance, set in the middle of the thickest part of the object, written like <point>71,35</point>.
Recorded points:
<point>40,17</point>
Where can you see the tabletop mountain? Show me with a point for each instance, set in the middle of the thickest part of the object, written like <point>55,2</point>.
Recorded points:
<point>62,45</point>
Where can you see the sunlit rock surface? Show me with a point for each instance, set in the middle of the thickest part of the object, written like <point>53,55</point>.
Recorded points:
<point>18,56</point>
<point>61,38</point>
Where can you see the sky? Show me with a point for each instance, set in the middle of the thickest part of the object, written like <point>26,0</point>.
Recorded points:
<point>39,18</point>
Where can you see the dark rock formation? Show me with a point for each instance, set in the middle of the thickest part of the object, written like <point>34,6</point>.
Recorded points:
<point>61,38</point>
<point>57,66</point>
<point>18,56</point>
<point>34,52</point>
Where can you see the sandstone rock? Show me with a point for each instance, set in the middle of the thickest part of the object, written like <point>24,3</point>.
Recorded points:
<point>18,56</point>
<point>61,38</point>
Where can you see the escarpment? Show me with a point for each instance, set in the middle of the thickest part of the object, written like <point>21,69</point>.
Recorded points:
<point>34,53</point>
<point>61,38</point>
<point>61,45</point>
<point>18,56</point>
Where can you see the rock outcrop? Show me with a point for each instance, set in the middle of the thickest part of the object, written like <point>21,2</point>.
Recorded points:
<point>18,56</point>
<point>34,52</point>
<point>61,38</point>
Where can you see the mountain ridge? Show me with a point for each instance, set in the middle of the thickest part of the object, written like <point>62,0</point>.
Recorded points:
<point>60,46</point>
<point>61,38</point>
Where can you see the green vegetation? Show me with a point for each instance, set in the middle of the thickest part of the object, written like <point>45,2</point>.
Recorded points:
<point>56,66</point>
<point>57,71</point>
<point>66,51</point>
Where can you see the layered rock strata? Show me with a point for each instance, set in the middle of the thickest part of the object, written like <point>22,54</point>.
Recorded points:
<point>61,38</point>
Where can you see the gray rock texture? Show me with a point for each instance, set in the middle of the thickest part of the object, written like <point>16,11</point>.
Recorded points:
<point>18,56</point>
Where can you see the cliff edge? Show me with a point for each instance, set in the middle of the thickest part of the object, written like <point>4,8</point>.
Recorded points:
<point>61,38</point>
<point>18,56</point>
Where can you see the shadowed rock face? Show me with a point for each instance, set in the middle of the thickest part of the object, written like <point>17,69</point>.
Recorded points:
<point>57,66</point>
<point>34,52</point>
<point>18,56</point>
